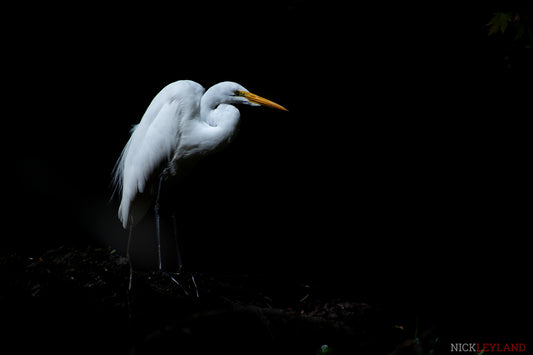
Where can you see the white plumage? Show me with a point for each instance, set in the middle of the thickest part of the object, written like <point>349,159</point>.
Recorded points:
<point>182,122</point>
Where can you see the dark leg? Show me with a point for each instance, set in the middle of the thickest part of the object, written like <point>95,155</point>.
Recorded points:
<point>180,262</point>
<point>128,255</point>
<point>178,254</point>
<point>157,227</point>
<point>158,231</point>
<point>195,286</point>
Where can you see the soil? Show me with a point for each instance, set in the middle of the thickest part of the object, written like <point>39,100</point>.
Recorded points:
<point>77,300</point>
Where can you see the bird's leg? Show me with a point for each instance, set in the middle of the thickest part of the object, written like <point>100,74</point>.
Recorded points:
<point>128,255</point>
<point>195,286</point>
<point>180,262</point>
<point>157,227</point>
<point>178,254</point>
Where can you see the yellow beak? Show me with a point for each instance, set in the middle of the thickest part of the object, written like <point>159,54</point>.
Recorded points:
<point>261,100</point>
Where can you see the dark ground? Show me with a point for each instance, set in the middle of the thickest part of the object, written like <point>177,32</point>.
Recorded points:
<point>72,300</point>
<point>76,300</point>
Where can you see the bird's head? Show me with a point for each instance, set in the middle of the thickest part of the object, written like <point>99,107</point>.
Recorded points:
<point>233,93</point>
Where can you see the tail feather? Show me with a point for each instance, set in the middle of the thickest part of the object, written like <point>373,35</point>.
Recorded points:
<point>118,182</point>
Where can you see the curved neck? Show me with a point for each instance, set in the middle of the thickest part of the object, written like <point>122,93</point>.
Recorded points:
<point>216,107</point>
<point>221,121</point>
<point>208,103</point>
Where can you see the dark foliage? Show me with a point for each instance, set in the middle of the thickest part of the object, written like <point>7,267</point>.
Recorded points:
<point>76,301</point>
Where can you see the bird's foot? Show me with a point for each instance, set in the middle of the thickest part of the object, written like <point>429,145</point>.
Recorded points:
<point>185,281</point>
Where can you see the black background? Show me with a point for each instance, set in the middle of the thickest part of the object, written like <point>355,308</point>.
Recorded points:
<point>399,174</point>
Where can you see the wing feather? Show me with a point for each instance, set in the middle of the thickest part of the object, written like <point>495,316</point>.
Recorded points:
<point>154,141</point>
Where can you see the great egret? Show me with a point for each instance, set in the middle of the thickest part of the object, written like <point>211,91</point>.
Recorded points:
<point>181,124</point>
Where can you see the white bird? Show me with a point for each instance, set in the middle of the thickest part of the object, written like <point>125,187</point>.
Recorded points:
<point>182,123</point>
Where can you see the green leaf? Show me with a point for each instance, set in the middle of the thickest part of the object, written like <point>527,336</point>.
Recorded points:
<point>499,22</point>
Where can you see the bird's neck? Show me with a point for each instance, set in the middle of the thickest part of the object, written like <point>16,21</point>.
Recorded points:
<point>223,120</point>
<point>216,113</point>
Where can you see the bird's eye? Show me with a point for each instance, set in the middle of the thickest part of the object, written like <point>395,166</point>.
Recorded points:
<point>238,93</point>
